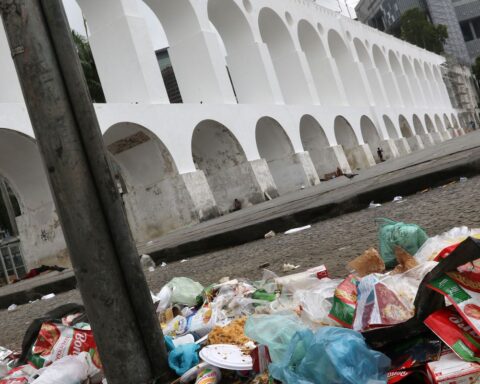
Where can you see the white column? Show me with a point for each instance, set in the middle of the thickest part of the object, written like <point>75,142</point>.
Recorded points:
<point>123,52</point>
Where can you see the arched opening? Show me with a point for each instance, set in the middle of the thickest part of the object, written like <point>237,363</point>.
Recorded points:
<point>439,124</point>
<point>391,130</point>
<point>349,72</point>
<point>433,84</point>
<point>448,124</point>
<point>370,70</point>
<point>418,126</point>
<point>370,136</point>
<point>405,127</point>
<point>401,79</point>
<point>315,142</point>
<point>285,59</point>
<point>250,80</point>
<point>442,88</point>
<point>455,123</point>
<point>276,148</point>
<point>325,80</point>
<point>429,124</point>
<point>347,138</point>
<point>390,86</point>
<point>217,152</point>
<point>155,195</point>
<point>414,85</point>
<point>423,82</point>
<point>38,227</point>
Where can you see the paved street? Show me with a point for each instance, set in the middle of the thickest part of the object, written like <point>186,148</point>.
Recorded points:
<point>332,242</point>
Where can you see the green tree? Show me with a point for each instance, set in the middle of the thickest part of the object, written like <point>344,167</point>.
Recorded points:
<point>89,68</point>
<point>417,29</point>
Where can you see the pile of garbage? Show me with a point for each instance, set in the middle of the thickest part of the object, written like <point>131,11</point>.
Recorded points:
<point>408,312</point>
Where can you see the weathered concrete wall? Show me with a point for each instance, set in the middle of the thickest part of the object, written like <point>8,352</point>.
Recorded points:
<point>328,159</point>
<point>360,157</point>
<point>156,209</point>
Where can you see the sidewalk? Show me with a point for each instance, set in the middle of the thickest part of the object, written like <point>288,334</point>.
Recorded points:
<point>404,176</point>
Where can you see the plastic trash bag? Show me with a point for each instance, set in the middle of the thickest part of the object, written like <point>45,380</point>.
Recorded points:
<point>185,291</point>
<point>274,331</point>
<point>68,370</point>
<point>184,357</point>
<point>410,237</point>
<point>330,356</point>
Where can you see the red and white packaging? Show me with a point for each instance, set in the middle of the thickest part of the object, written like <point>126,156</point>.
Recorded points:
<point>55,341</point>
<point>20,375</point>
<point>450,369</point>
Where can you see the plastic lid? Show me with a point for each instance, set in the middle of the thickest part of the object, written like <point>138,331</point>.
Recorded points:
<point>226,356</point>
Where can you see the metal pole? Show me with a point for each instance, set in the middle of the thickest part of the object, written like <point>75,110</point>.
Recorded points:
<point>103,254</point>
<point>8,206</point>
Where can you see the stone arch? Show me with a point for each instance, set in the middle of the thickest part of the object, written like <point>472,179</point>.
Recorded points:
<point>401,79</point>
<point>423,82</point>
<point>441,85</point>
<point>405,127</point>
<point>155,196</point>
<point>218,153</point>
<point>38,225</point>
<point>370,135</point>
<point>250,80</point>
<point>346,137</point>
<point>455,122</point>
<point>315,142</point>
<point>386,74</point>
<point>319,62</point>
<point>439,124</point>
<point>418,126</point>
<point>275,147</point>
<point>429,124</point>
<point>349,72</point>
<point>433,84</point>
<point>285,58</point>
<point>391,130</point>
<point>370,70</point>
<point>412,79</point>
<point>446,120</point>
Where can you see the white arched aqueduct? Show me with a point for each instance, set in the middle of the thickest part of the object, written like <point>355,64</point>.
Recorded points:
<point>276,94</point>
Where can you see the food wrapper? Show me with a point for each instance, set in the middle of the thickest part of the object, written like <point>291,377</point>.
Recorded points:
<point>55,341</point>
<point>454,331</point>
<point>21,375</point>
<point>462,290</point>
<point>452,370</point>
<point>345,302</point>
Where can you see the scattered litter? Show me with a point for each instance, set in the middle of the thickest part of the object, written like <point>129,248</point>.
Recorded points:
<point>263,266</point>
<point>150,242</point>
<point>270,234</point>
<point>463,179</point>
<point>151,269</point>
<point>163,265</point>
<point>374,205</point>
<point>425,190</point>
<point>48,297</point>
<point>12,307</point>
<point>397,199</point>
<point>300,229</point>
<point>289,267</point>
<point>371,325</point>
<point>183,261</point>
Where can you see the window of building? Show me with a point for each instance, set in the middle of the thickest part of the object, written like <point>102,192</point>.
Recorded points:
<point>466,30</point>
<point>476,27</point>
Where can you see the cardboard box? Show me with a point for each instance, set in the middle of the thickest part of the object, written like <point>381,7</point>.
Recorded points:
<point>450,369</point>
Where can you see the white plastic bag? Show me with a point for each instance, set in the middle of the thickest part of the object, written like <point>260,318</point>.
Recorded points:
<point>185,290</point>
<point>314,302</point>
<point>164,299</point>
<point>68,370</point>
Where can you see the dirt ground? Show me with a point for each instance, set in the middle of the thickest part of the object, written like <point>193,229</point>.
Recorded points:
<point>333,242</point>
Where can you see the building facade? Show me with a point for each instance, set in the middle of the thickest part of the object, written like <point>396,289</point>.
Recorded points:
<point>468,14</point>
<point>301,91</point>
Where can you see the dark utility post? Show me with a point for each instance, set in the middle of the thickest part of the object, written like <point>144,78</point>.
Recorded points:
<point>102,250</point>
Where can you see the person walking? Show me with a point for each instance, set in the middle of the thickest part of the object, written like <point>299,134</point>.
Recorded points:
<point>380,154</point>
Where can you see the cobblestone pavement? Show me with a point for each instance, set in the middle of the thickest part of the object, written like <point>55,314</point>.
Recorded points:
<point>333,242</point>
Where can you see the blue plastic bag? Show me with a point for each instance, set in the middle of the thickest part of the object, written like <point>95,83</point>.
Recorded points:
<point>330,356</point>
<point>274,331</point>
<point>184,357</point>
